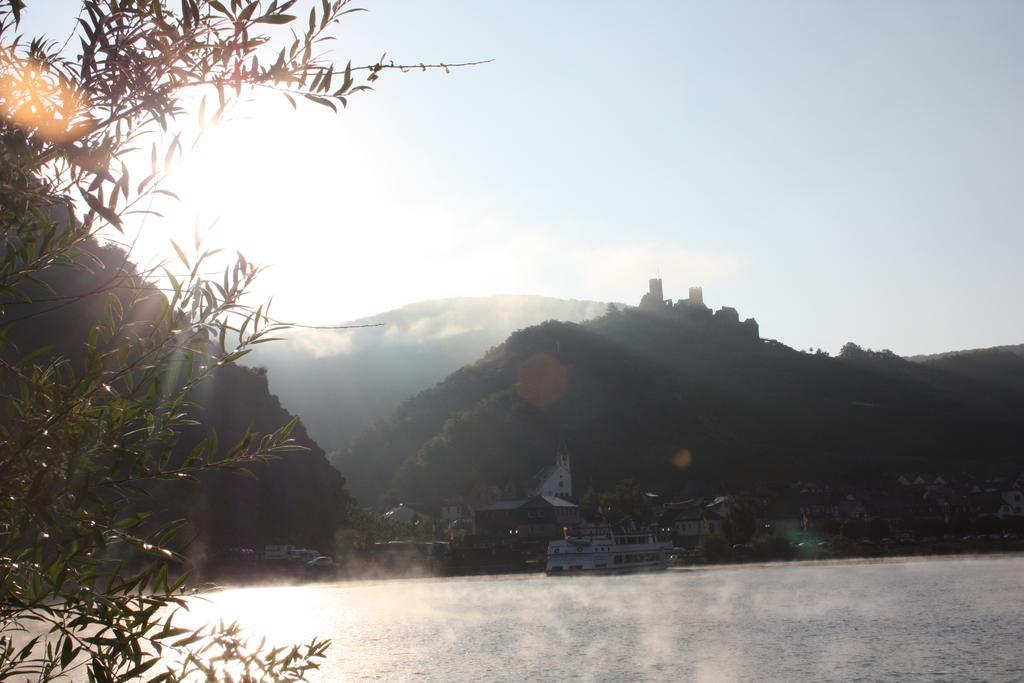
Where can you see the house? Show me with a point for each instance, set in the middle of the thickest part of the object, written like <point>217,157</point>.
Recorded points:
<point>1014,500</point>
<point>921,480</point>
<point>714,524</point>
<point>821,506</point>
<point>720,506</point>
<point>1000,504</point>
<point>850,508</point>
<point>809,487</point>
<point>455,509</point>
<point>689,520</point>
<point>948,501</point>
<point>401,513</point>
<point>529,518</point>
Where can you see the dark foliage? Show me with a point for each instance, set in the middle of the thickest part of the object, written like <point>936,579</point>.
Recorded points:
<point>297,499</point>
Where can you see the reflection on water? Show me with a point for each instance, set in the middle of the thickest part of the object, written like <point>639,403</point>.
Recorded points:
<point>951,619</point>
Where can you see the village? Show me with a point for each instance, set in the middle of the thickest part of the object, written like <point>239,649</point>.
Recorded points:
<point>911,514</point>
<point>914,513</point>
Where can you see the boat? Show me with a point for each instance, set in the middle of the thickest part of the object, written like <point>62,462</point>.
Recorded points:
<point>604,550</point>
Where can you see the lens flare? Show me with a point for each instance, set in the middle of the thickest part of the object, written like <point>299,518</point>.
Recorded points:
<point>542,380</point>
<point>35,99</point>
<point>682,459</point>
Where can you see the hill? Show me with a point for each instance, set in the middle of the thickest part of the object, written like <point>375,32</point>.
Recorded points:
<point>343,381</point>
<point>1016,349</point>
<point>671,398</point>
<point>999,365</point>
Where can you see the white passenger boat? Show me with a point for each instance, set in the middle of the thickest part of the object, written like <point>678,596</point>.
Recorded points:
<point>602,550</point>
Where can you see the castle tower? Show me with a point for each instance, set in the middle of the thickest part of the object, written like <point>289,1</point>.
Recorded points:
<point>655,289</point>
<point>696,296</point>
<point>654,299</point>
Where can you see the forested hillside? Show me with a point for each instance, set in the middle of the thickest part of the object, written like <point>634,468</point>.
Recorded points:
<point>657,398</point>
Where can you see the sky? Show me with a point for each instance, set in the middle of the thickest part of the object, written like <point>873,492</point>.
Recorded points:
<point>842,171</point>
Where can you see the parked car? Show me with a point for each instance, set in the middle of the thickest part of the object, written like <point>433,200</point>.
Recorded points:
<point>320,564</point>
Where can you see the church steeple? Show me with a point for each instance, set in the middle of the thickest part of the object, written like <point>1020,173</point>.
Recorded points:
<point>563,470</point>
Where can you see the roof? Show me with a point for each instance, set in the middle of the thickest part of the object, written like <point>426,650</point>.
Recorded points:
<point>532,502</point>
<point>691,512</point>
<point>503,505</point>
<point>687,516</point>
<point>548,501</point>
<point>675,505</point>
<point>402,513</point>
<point>559,502</point>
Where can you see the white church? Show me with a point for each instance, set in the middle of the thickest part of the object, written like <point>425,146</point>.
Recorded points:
<point>554,480</point>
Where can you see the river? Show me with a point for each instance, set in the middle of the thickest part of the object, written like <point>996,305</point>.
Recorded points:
<point>943,619</point>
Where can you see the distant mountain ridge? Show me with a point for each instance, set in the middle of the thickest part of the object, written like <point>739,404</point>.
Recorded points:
<point>343,381</point>
<point>998,365</point>
<point>1016,349</point>
<point>664,397</point>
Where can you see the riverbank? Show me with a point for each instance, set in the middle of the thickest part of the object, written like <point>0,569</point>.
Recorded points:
<point>432,560</point>
<point>811,547</point>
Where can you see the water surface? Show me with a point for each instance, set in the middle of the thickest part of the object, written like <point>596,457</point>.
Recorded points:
<point>948,620</point>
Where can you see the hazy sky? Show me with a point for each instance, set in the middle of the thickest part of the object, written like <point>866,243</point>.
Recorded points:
<point>839,170</point>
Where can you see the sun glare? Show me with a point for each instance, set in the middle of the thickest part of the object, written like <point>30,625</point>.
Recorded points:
<point>298,193</point>
<point>315,201</point>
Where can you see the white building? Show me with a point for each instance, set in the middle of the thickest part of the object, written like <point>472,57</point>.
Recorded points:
<point>554,480</point>
<point>1013,504</point>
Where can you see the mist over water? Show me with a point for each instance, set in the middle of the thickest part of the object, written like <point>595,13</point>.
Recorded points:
<point>925,620</point>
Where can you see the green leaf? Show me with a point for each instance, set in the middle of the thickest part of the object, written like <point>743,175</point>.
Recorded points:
<point>141,669</point>
<point>320,100</point>
<point>247,12</point>
<point>276,19</point>
<point>347,83</point>
<point>67,652</point>
<point>181,254</point>
<point>108,215</point>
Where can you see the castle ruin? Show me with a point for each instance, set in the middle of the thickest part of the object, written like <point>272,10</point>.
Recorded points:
<point>725,321</point>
